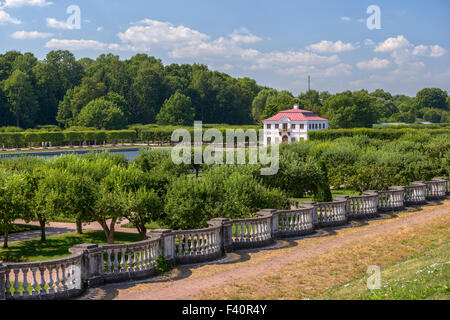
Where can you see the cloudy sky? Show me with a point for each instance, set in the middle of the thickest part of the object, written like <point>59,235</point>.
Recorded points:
<point>278,43</point>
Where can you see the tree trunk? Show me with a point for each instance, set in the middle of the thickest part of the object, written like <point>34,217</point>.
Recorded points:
<point>42,224</point>
<point>79,226</point>
<point>5,238</point>
<point>142,231</point>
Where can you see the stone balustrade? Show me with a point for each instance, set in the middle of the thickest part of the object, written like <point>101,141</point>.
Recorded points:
<point>91,264</point>
<point>365,206</point>
<point>332,213</point>
<point>415,194</point>
<point>447,185</point>
<point>295,222</point>
<point>197,245</point>
<point>251,233</point>
<point>53,279</point>
<point>392,199</point>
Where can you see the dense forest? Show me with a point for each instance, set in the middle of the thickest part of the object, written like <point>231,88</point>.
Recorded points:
<point>110,93</point>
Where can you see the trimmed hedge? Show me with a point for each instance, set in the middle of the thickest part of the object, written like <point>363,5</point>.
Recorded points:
<point>382,134</point>
<point>36,139</point>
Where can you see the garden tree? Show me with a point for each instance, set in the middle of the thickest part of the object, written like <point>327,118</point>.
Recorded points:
<point>322,193</point>
<point>65,69</point>
<point>177,110</point>
<point>47,90</point>
<point>25,63</point>
<point>407,117</point>
<point>6,63</point>
<point>260,102</point>
<point>77,98</point>
<point>48,195</point>
<point>146,92</point>
<point>111,71</point>
<point>384,108</point>
<point>21,98</point>
<point>432,115</point>
<point>102,114</point>
<point>269,111</point>
<point>310,101</point>
<point>432,98</point>
<point>5,113</point>
<point>284,100</point>
<point>380,93</point>
<point>350,109</point>
<point>14,201</point>
<point>222,192</point>
<point>143,207</point>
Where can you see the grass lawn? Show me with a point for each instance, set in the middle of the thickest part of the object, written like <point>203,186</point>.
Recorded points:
<point>31,151</point>
<point>422,276</point>
<point>58,246</point>
<point>343,192</point>
<point>15,228</point>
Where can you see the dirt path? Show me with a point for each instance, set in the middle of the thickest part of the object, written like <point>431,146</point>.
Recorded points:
<point>190,282</point>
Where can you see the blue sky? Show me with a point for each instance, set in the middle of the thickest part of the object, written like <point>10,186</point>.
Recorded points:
<point>278,43</point>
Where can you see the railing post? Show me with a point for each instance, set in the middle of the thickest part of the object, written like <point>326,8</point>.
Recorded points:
<point>226,233</point>
<point>347,204</point>
<point>273,220</point>
<point>2,282</point>
<point>315,215</point>
<point>167,246</point>
<point>91,263</point>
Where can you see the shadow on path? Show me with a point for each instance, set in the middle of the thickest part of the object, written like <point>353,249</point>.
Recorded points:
<point>36,234</point>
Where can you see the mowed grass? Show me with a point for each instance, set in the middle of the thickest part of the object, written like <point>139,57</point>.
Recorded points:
<point>336,192</point>
<point>422,276</point>
<point>58,246</point>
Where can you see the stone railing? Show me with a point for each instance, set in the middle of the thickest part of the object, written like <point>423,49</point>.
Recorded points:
<point>43,280</point>
<point>415,194</point>
<point>392,199</point>
<point>365,206</point>
<point>91,264</point>
<point>298,222</point>
<point>331,213</point>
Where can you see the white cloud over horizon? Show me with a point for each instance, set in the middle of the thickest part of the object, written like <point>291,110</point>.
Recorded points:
<point>25,35</point>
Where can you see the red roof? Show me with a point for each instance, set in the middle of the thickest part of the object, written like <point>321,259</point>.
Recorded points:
<point>296,115</point>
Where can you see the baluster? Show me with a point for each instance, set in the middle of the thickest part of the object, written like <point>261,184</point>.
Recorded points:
<point>64,277</point>
<point>191,247</point>
<point>135,260</point>
<point>25,282</point>
<point>42,284</point>
<point>50,280</point>
<point>122,261</point>
<point>130,252</point>
<point>108,263</point>
<point>241,225</point>
<point>116,260</point>
<point>34,284</point>
<point>16,283</point>
<point>57,281</point>
<point>8,284</point>
<point>186,244</point>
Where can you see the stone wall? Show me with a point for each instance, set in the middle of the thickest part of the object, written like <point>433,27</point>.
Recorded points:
<point>91,265</point>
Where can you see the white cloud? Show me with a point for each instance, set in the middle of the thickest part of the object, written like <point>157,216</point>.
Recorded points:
<point>393,44</point>
<point>346,19</point>
<point>99,29</point>
<point>374,64</point>
<point>329,46</point>
<point>25,3</point>
<point>148,33</point>
<point>338,70</point>
<point>244,36</point>
<point>5,18</point>
<point>435,51</point>
<point>55,24</point>
<point>369,42</point>
<point>25,35</point>
<point>75,45</point>
<point>294,58</point>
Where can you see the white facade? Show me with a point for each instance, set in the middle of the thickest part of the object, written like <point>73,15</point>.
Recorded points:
<point>286,128</point>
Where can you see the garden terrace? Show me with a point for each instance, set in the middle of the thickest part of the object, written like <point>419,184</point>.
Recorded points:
<point>96,264</point>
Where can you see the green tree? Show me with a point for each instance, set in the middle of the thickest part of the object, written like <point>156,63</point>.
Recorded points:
<point>102,114</point>
<point>21,98</point>
<point>432,98</point>
<point>177,110</point>
<point>14,201</point>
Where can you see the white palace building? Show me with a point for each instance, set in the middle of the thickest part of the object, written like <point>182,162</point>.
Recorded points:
<point>292,126</point>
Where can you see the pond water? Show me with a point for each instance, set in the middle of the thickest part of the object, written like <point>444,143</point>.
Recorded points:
<point>130,154</point>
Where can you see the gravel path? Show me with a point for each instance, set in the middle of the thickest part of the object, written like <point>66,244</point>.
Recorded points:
<point>187,282</point>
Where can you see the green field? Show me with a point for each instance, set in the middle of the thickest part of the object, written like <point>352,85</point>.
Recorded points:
<point>421,276</point>
<point>15,228</point>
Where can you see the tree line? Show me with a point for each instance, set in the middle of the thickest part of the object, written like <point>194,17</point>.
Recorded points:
<point>110,93</point>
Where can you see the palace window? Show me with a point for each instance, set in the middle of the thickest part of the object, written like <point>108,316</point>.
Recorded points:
<point>269,126</point>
